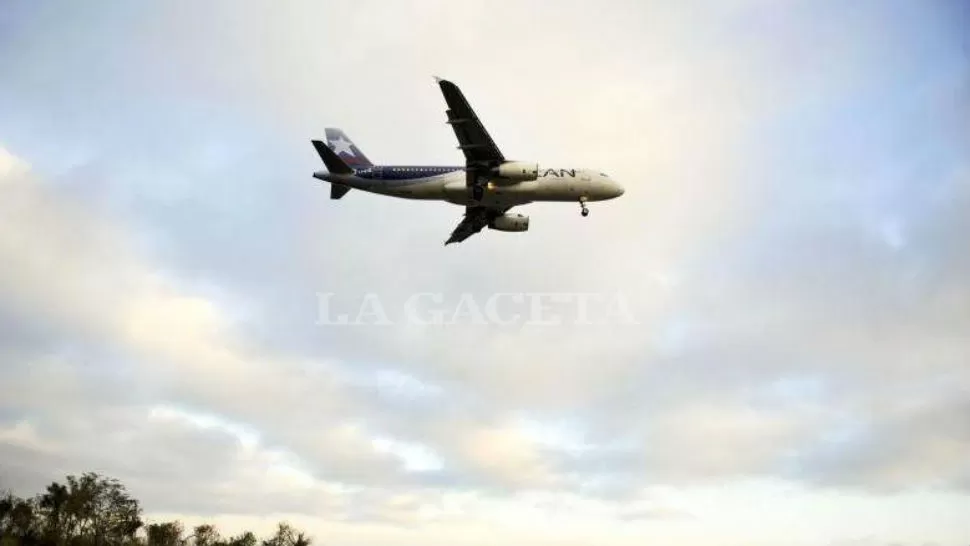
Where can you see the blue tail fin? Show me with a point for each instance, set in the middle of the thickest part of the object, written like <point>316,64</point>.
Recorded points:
<point>345,149</point>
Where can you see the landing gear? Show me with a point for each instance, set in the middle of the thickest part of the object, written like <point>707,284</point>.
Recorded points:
<point>478,192</point>
<point>583,210</point>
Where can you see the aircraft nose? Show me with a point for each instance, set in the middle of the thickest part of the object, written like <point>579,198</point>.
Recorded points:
<point>616,189</point>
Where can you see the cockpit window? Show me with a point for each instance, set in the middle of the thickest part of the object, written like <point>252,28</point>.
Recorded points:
<point>604,174</point>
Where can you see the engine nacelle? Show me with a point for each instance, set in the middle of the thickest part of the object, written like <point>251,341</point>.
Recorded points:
<point>519,171</point>
<point>510,222</point>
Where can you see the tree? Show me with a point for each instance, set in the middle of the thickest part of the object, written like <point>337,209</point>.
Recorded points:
<point>206,535</point>
<point>7,502</point>
<point>101,511</point>
<point>302,539</point>
<point>92,510</point>
<point>245,539</point>
<point>164,534</point>
<point>283,537</point>
<point>23,522</point>
<point>52,505</point>
<point>286,535</point>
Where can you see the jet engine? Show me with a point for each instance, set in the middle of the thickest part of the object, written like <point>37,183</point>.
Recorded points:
<point>518,171</point>
<point>510,222</point>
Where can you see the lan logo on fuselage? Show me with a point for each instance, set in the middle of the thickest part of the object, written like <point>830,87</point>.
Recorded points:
<point>560,173</point>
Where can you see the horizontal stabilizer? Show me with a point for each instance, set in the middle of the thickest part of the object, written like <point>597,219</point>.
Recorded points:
<point>337,191</point>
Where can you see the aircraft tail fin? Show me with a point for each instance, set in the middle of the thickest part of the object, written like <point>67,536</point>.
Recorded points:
<point>346,150</point>
<point>331,159</point>
<point>334,165</point>
<point>341,156</point>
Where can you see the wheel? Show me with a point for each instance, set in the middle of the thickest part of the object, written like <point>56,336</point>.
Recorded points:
<point>478,192</point>
<point>585,212</point>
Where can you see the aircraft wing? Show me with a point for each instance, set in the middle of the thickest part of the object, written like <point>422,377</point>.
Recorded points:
<point>475,219</point>
<point>473,139</point>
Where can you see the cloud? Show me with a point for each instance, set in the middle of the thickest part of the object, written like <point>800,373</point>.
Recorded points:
<point>504,456</point>
<point>10,165</point>
<point>74,273</point>
<point>647,514</point>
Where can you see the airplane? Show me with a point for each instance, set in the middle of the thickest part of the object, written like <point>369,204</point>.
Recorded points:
<point>488,185</point>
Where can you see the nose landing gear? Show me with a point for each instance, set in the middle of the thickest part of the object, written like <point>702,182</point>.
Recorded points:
<point>582,207</point>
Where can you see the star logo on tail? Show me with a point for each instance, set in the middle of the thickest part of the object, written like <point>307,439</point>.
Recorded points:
<point>342,147</point>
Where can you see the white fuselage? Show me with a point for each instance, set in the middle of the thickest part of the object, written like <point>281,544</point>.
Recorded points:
<point>550,185</point>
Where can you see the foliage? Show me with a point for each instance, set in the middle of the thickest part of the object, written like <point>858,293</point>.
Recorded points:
<point>92,510</point>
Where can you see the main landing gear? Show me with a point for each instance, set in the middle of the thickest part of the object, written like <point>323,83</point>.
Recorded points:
<point>583,210</point>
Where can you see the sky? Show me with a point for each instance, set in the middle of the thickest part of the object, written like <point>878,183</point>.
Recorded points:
<point>791,246</point>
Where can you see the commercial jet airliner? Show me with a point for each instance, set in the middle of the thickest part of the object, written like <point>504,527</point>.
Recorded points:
<point>488,185</point>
